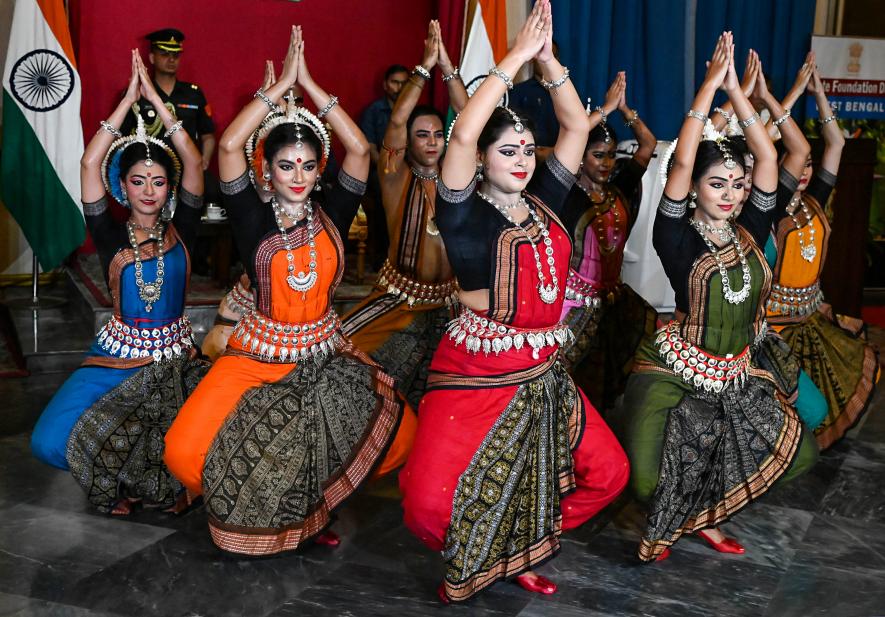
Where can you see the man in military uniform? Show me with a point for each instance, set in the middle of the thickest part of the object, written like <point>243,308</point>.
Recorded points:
<point>186,101</point>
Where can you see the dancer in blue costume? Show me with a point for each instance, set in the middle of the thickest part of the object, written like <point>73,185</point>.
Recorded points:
<point>107,422</point>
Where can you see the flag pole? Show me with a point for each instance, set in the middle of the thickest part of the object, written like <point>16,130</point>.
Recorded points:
<point>35,302</point>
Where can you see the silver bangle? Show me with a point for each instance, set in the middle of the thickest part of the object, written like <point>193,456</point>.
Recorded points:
<point>333,100</point>
<point>828,119</point>
<point>422,72</point>
<point>553,85</point>
<point>782,119</point>
<point>502,76</point>
<point>749,121</point>
<point>629,123</point>
<point>602,113</point>
<point>723,113</point>
<point>259,94</point>
<point>110,128</point>
<point>456,74</point>
<point>172,130</point>
<point>691,113</point>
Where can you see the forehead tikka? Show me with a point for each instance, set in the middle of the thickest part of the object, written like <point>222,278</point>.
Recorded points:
<point>518,126</point>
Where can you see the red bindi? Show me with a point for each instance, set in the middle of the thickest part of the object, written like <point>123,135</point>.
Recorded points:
<point>297,160</point>
<point>730,176</point>
<point>522,142</point>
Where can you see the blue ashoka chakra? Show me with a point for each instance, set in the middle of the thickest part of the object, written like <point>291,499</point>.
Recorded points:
<point>474,85</point>
<point>41,80</point>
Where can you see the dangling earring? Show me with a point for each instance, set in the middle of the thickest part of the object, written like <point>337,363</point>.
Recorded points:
<point>318,187</point>
<point>168,208</point>
<point>479,176</point>
<point>692,196</point>
<point>267,188</point>
<point>126,203</point>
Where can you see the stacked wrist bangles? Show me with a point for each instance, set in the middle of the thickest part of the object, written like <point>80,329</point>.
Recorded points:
<point>553,85</point>
<point>691,113</point>
<point>172,130</point>
<point>782,119</point>
<point>602,113</point>
<point>828,119</point>
<point>456,74</point>
<point>110,128</point>
<point>259,94</point>
<point>749,121</point>
<point>629,123</point>
<point>502,76</point>
<point>333,100</point>
<point>420,70</point>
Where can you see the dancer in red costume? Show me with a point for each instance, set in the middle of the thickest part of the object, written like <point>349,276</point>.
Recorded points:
<point>503,433</point>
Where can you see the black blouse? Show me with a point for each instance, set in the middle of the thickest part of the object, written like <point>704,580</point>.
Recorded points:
<point>679,245</point>
<point>110,236</point>
<point>470,225</point>
<point>252,219</point>
<point>819,187</point>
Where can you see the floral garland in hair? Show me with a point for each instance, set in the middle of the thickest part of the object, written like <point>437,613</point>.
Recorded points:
<point>300,117</point>
<point>110,165</point>
<point>732,129</point>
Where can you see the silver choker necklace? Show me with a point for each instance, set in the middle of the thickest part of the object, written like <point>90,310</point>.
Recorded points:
<point>731,296</point>
<point>302,281</point>
<point>725,233</point>
<point>423,176</point>
<point>548,293</point>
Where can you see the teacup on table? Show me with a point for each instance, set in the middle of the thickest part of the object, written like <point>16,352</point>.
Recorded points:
<point>215,212</point>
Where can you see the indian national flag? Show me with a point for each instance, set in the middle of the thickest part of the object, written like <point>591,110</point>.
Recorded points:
<point>485,36</point>
<point>42,133</point>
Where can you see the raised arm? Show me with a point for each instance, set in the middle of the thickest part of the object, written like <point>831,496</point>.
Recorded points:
<point>721,115</point>
<point>574,126</point>
<point>834,141</point>
<point>679,177</point>
<point>758,141</point>
<point>457,92</point>
<point>191,158</point>
<point>396,135</point>
<point>231,157</point>
<point>644,136</point>
<point>356,147</point>
<point>91,187</point>
<point>459,165</point>
<point>796,145</point>
<point>802,79</point>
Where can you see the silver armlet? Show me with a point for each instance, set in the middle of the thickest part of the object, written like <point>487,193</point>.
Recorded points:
<point>259,94</point>
<point>422,72</point>
<point>691,113</point>
<point>333,100</point>
<point>110,128</point>
<point>749,121</point>
<point>456,74</point>
<point>172,130</point>
<point>782,119</point>
<point>553,85</point>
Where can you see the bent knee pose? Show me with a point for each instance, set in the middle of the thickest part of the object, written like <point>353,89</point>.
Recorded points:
<point>107,421</point>
<point>706,429</point>
<point>292,419</point>
<point>607,317</point>
<point>503,433</point>
<point>829,348</point>
<point>401,322</point>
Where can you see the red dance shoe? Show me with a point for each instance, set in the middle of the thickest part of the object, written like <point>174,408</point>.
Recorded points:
<point>539,584</point>
<point>441,592</point>
<point>728,545</point>
<point>327,538</point>
<point>664,555</point>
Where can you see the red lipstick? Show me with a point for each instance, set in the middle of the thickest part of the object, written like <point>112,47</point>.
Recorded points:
<point>520,174</point>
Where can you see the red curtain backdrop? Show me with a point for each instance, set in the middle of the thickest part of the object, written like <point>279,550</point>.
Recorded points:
<point>349,44</point>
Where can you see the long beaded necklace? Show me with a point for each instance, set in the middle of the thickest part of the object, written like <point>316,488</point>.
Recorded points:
<point>808,251</point>
<point>548,293</point>
<point>148,292</point>
<point>302,281</point>
<point>734,297</point>
<point>431,227</point>
<point>598,223</point>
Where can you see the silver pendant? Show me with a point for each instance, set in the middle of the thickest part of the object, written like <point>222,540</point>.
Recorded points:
<point>303,281</point>
<point>548,293</point>
<point>809,252</point>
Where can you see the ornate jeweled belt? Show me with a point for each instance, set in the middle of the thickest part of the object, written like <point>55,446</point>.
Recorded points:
<point>592,295</point>
<point>131,342</point>
<point>487,335</point>
<point>239,299</point>
<point>415,292</point>
<point>279,341</point>
<point>795,300</point>
<point>699,368</point>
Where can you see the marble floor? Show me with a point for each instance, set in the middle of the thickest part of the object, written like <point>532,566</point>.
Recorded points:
<point>816,547</point>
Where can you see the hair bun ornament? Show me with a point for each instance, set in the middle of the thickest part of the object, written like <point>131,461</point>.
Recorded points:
<point>709,134</point>
<point>300,117</point>
<point>110,165</point>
